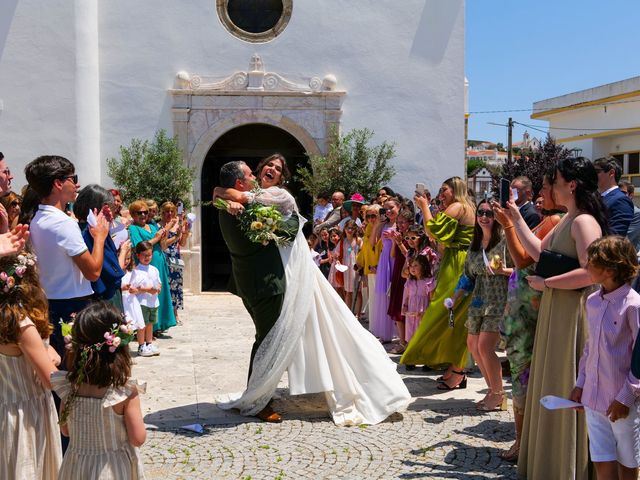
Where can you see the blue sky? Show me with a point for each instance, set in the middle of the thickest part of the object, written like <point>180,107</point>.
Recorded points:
<point>518,52</point>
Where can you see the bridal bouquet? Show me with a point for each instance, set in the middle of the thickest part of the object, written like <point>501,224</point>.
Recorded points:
<point>260,223</point>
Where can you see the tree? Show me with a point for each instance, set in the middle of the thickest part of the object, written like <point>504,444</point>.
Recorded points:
<point>475,163</point>
<point>351,165</point>
<point>534,163</point>
<point>152,170</point>
<point>500,147</point>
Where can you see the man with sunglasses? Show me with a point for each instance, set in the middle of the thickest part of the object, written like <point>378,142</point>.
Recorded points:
<point>619,205</point>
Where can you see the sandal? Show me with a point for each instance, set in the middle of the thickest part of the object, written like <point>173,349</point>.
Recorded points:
<point>491,406</point>
<point>511,455</point>
<point>398,349</point>
<point>460,385</point>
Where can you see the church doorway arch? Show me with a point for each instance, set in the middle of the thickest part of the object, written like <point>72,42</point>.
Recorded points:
<point>249,143</point>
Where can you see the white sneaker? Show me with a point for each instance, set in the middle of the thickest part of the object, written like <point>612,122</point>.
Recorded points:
<point>154,350</point>
<point>144,351</point>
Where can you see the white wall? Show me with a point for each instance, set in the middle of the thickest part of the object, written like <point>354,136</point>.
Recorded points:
<point>37,77</point>
<point>401,64</point>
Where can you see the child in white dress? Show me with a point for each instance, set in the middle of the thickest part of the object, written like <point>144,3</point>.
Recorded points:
<point>29,436</point>
<point>131,304</point>
<point>101,412</point>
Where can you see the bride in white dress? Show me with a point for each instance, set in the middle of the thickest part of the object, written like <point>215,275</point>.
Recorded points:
<point>316,337</point>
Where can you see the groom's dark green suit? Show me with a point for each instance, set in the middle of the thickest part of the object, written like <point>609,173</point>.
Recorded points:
<point>257,275</point>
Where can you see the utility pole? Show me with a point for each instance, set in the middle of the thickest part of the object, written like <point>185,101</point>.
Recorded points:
<point>509,139</point>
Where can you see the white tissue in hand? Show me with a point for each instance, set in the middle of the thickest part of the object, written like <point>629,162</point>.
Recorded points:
<point>341,268</point>
<point>91,219</point>
<point>191,217</point>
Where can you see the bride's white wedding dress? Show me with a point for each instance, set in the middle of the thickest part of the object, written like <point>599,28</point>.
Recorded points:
<point>321,344</point>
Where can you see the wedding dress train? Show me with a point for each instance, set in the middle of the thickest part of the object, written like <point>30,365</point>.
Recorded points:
<point>323,347</point>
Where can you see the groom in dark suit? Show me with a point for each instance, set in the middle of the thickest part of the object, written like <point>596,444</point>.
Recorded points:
<point>257,273</point>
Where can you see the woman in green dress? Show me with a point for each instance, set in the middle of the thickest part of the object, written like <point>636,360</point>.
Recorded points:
<point>436,342</point>
<point>140,231</point>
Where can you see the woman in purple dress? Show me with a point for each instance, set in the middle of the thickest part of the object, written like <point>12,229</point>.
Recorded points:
<point>381,324</point>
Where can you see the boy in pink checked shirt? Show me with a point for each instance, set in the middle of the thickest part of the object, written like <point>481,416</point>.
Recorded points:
<point>605,385</point>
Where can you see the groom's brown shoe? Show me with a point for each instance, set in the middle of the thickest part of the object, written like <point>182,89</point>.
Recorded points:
<point>269,415</point>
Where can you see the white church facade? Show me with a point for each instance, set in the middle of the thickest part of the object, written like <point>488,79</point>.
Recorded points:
<point>231,79</point>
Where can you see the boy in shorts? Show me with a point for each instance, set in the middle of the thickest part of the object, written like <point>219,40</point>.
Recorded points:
<point>147,287</point>
<point>605,386</point>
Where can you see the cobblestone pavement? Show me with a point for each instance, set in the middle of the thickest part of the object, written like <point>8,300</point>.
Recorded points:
<point>440,436</point>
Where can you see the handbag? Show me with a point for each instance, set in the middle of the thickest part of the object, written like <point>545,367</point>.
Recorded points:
<point>175,263</point>
<point>552,263</point>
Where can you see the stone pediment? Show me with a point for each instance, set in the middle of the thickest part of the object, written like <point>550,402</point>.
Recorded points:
<point>255,80</point>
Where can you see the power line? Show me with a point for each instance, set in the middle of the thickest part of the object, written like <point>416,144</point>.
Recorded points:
<point>545,109</point>
<point>578,129</point>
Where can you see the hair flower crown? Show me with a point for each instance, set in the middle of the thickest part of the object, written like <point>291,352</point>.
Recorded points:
<point>12,276</point>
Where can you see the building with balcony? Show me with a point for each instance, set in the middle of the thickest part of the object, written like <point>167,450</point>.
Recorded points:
<point>597,122</point>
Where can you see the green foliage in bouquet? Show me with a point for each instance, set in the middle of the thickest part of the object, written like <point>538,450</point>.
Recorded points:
<point>260,223</point>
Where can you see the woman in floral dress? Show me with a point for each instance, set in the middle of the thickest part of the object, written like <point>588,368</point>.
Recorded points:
<point>521,314</point>
<point>176,237</point>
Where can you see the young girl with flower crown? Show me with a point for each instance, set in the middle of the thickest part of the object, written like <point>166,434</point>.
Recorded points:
<point>101,407</point>
<point>28,432</point>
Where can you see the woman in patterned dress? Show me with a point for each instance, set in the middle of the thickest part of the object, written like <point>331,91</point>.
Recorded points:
<point>176,238</point>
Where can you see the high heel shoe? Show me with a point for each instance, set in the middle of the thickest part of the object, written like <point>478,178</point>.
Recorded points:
<point>491,405</point>
<point>460,385</point>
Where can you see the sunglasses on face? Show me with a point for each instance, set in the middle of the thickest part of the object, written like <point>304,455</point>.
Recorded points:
<point>142,212</point>
<point>412,238</point>
<point>485,213</point>
<point>15,203</point>
<point>373,215</point>
<point>74,178</point>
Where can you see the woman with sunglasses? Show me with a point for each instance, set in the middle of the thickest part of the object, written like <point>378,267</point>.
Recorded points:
<point>436,342</point>
<point>367,260</point>
<point>488,267</point>
<point>141,230</point>
<point>12,203</point>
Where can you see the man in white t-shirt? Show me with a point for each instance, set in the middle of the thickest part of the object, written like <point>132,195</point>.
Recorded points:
<point>65,264</point>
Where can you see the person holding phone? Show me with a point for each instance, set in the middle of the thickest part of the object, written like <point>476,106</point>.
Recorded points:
<point>435,342</point>
<point>382,325</point>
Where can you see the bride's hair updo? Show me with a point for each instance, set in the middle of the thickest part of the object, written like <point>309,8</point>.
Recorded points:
<point>286,174</point>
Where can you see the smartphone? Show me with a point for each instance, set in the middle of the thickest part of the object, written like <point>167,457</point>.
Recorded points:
<point>505,190</point>
<point>420,188</point>
<point>383,214</point>
<point>180,208</point>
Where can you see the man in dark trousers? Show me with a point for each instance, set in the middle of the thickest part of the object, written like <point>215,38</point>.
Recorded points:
<point>619,205</point>
<point>257,273</point>
<point>525,193</point>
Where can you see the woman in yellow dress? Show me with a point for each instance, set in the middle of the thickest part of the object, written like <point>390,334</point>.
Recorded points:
<point>436,342</point>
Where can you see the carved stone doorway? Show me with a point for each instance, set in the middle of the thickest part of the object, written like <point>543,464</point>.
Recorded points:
<point>250,143</point>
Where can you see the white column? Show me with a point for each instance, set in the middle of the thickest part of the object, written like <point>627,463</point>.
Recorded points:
<point>88,162</point>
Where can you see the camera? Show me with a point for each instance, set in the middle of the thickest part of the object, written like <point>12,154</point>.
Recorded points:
<point>382,212</point>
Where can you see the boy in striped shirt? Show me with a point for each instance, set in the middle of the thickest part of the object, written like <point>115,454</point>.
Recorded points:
<point>605,385</point>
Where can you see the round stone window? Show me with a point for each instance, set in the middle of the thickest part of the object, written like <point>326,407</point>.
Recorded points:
<point>255,21</point>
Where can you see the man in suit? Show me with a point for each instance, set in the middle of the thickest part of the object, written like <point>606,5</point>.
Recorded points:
<point>257,273</point>
<point>619,205</point>
<point>525,194</point>
<point>633,234</point>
